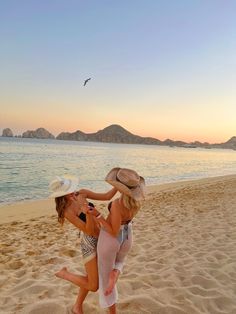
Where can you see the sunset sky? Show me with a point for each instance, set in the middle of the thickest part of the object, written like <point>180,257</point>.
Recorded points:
<point>165,69</point>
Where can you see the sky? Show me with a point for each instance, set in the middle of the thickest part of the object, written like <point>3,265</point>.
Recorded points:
<point>159,68</point>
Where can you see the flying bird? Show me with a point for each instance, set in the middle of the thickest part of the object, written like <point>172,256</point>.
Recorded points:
<point>86,81</point>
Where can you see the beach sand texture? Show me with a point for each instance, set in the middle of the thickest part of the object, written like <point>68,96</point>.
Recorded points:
<point>183,260</point>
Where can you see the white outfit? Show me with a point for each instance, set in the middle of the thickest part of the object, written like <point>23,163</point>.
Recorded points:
<point>111,252</point>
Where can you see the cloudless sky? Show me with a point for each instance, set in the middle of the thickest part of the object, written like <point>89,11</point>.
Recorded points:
<point>159,68</point>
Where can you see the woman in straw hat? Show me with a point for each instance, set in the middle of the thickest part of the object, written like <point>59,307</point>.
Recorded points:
<point>73,206</point>
<point>115,238</point>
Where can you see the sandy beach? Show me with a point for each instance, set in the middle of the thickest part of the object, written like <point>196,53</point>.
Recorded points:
<point>183,260</point>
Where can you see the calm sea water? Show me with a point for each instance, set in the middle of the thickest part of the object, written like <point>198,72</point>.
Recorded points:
<point>28,165</point>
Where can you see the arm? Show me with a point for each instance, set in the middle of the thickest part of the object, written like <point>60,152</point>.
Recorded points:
<point>113,226</point>
<point>90,223</point>
<point>87,227</point>
<point>98,196</point>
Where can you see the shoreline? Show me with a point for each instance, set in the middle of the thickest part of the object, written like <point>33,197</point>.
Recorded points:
<point>183,258</point>
<point>30,209</point>
<point>172,143</point>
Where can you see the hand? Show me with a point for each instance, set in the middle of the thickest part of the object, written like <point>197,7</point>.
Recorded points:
<point>93,211</point>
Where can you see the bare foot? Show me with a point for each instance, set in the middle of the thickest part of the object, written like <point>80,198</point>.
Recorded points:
<point>61,273</point>
<point>77,309</point>
<point>113,277</point>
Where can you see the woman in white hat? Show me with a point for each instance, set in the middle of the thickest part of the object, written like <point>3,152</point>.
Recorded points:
<point>73,206</point>
<point>115,238</point>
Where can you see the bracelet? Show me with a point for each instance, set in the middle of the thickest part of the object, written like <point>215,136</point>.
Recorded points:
<point>99,216</point>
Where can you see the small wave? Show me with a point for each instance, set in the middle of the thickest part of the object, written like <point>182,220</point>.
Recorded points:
<point>8,201</point>
<point>26,171</point>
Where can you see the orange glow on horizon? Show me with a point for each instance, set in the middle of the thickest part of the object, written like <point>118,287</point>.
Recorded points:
<point>56,129</point>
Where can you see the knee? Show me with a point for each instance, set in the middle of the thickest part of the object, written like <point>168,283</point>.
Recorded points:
<point>93,287</point>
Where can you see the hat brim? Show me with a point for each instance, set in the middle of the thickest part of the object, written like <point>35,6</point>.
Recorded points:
<point>73,187</point>
<point>138,193</point>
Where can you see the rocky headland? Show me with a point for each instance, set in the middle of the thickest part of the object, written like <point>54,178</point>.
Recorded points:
<point>7,132</point>
<point>39,133</point>
<point>117,134</point>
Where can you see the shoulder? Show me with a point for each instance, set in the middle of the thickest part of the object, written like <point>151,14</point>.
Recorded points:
<point>115,203</point>
<point>69,213</point>
<point>115,207</point>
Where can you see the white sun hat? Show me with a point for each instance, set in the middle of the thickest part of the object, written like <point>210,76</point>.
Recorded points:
<point>64,185</point>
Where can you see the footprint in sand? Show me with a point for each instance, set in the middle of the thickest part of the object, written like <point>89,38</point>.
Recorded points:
<point>68,252</point>
<point>45,307</point>
<point>3,279</point>
<point>15,265</point>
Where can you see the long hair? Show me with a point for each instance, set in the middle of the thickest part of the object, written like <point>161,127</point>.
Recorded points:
<point>61,204</point>
<point>131,204</point>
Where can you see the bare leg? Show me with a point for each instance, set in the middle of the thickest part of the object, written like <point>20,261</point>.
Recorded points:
<point>76,279</point>
<point>112,309</point>
<point>113,277</point>
<point>111,256</point>
<point>78,306</point>
<point>89,282</point>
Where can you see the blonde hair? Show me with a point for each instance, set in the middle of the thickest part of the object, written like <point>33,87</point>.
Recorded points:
<point>130,203</point>
<point>61,204</point>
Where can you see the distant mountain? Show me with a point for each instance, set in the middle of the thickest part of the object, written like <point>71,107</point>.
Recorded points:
<point>39,133</point>
<point>75,136</point>
<point>7,133</point>
<point>111,134</point>
<point>231,141</point>
<point>117,134</point>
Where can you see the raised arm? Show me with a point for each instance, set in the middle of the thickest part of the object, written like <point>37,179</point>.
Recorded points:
<point>98,196</point>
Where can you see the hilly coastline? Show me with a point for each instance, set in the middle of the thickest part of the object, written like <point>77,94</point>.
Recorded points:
<point>117,134</point>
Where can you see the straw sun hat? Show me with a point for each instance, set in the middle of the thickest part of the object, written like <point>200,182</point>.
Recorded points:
<point>127,181</point>
<point>61,186</point>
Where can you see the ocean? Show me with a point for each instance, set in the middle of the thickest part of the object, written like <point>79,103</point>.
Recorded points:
<point>28,165</point>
